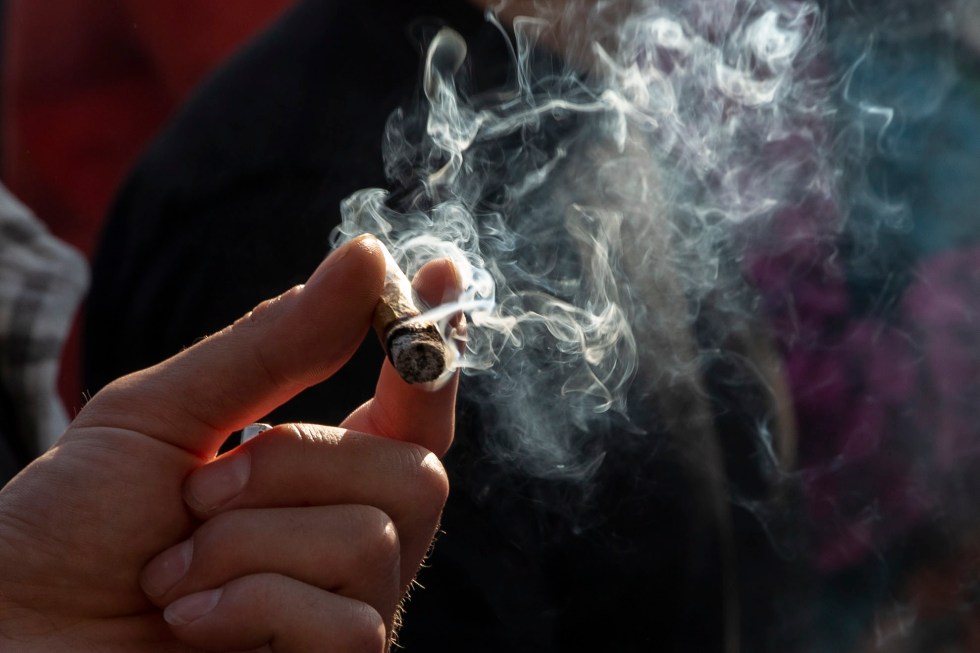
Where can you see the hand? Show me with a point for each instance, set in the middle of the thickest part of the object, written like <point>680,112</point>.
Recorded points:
<point>303,537</point>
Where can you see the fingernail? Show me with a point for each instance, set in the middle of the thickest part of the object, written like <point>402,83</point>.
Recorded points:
<point>219,482</point>
<point>337,256</point>
<point>252,430</point>
<point>191,607</point>
<point>166,569</point>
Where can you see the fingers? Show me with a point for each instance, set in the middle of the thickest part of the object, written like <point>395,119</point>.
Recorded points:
<point>315,521</point>
<point>415,412</point>
<point>232,378</point>
<point>352,551</point>
<point>283,614</point>
<point>308,465</point>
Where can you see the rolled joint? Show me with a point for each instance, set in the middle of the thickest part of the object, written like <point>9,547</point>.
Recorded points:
<point>414,345</point>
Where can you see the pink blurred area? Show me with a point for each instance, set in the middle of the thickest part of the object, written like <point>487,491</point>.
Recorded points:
<point>85,86</point>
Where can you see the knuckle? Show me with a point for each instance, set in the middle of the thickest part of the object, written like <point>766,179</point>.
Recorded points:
<point>260,590</point>
<point>292,441</point>
<point>216,532</point>
<point>432,483</point>
<point>103,409</point>
<point>309,436</point>
<point>366,632</point>
<point>423,480</point>
<point>264,311</point>
<point>288,615</point>
<point>379,546</point>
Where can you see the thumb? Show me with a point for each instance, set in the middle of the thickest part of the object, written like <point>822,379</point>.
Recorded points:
<point>228,380</point>
<point>415,413</point>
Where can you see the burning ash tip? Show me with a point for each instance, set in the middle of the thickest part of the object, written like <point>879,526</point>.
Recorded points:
<point>417,352</point>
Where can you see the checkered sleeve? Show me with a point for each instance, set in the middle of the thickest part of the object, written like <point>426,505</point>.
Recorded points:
<point>42,281</point>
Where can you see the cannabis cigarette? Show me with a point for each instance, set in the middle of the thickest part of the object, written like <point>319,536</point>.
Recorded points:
<point>413,344</point>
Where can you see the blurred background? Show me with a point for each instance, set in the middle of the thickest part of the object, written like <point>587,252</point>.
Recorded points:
<point>778,447</point>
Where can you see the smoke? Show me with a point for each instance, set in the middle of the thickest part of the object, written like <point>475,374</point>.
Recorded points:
<point>674,205</point>
<point>597,202</point>
<point>681,211</point>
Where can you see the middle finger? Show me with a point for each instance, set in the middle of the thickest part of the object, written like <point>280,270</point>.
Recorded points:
<point>311,465</point>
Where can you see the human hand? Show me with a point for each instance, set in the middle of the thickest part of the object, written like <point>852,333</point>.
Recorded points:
<point>304,537</point>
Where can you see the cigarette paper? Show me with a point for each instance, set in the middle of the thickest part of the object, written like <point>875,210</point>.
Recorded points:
<point>413,344</point>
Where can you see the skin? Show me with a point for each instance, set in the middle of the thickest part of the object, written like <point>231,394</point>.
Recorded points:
<point>129,535</point>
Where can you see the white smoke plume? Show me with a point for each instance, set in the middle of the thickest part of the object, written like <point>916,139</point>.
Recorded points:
<point>675,204</point>
<point>615,193</point>
<point>594,203</point>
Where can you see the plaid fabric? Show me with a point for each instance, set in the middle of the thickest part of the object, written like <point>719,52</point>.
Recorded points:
<point>42,281</point>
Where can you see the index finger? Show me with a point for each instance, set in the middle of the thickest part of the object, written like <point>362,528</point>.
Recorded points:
<point>230,379</point>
